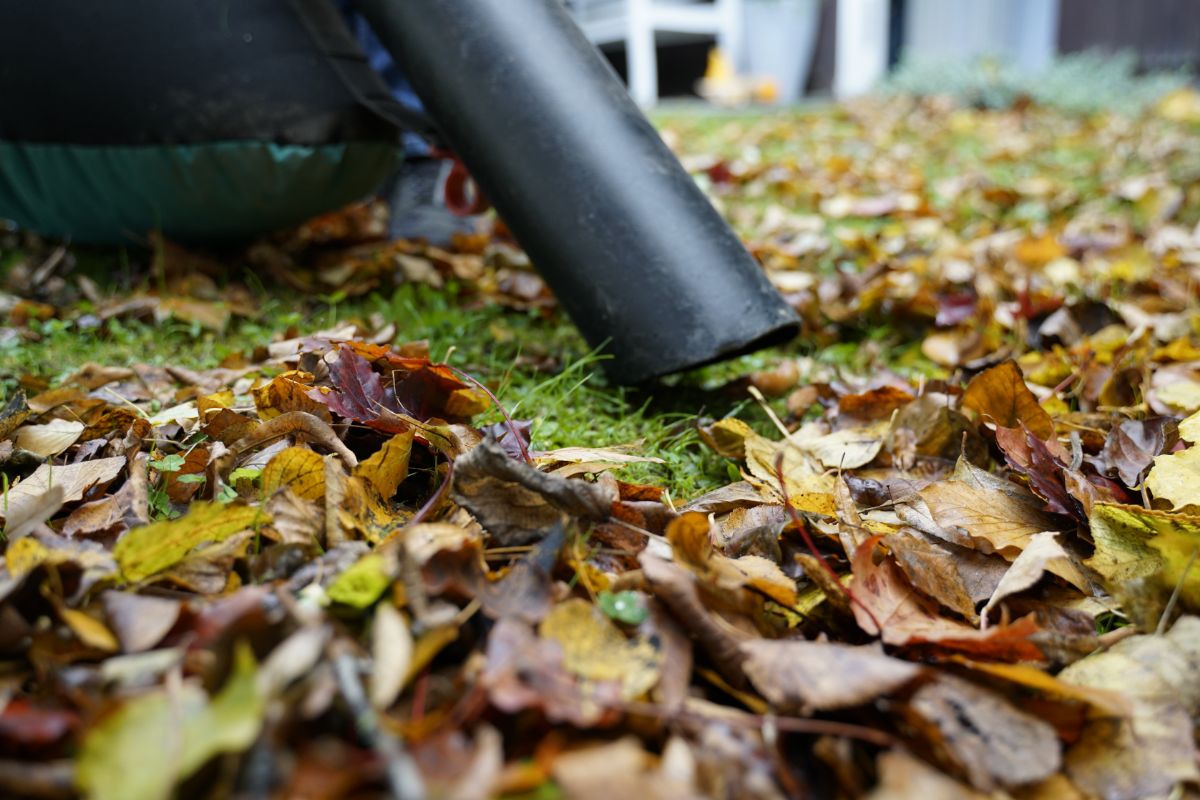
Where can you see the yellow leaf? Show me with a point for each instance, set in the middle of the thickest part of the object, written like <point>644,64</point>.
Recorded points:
<point>298,468</point>
<point>1180,105</point>
<point>1038,252</point>
<point>467,403</point>
<point>727,437</point>
<point>151,549</point>
<point>90,630</point>
<point>1176,478</point>
<point>1108,702</point>
<point>1180,349</point>
<point>1000,394</point>
<point>1189,429</point>
<point>214,402</point>
<point>595,649</point>
<point>1141,546</point>
<point>1181,395</point>
<point>387,468</point>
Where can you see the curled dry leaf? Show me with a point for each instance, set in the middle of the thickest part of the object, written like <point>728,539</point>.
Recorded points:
<point>73,479</point>
<point>391,655</point>
<point>516,503</point>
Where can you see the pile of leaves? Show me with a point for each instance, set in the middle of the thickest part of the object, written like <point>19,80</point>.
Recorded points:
<point>970,572</point>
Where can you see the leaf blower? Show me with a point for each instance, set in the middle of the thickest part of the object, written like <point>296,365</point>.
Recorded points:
<point>636,254</point>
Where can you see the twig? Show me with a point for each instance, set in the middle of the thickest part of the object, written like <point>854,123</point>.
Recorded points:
<point>432,502</point>
<point>404,781</point>
<point>1166,614</point>
<point>749,721</point>
<point>508,421</point>
<point>812,547</point>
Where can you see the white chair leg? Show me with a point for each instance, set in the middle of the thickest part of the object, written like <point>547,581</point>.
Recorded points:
<point>729,33</point>
<point>640,53</point>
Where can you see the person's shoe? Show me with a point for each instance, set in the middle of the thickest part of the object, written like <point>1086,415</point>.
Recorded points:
<point>416,195</point>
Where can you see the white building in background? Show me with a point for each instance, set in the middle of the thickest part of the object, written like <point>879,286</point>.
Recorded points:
<point>865,37</point>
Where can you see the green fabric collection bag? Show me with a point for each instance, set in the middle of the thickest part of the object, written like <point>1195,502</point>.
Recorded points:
<point>209,121</point>
<point>215,192</point>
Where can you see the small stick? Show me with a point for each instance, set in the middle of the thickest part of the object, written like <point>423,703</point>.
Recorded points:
<point>404,780</point>
<point>508,421</point>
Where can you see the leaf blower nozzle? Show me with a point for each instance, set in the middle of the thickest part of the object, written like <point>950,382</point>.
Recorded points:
<point>631,247</point>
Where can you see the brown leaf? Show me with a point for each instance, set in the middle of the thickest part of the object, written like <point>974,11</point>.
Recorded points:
<point>14,414</point>
<point>73,479</point>
<point>287,392</point>
<point>993,743</point>
<point>1000,395</point>
<point>887,606</point>
<point>1043,554</point>
<point>903,777</point>
<point>1132,446</point>
<point>977,509</point>
<point>517,504</point>
<point>524,671</point>
<point>139,621</point>
<point>956,577</point>
<point>820,676</point>
<point>677,589</point>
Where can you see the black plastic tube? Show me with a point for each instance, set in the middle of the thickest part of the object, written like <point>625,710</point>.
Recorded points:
<point>631,247</point>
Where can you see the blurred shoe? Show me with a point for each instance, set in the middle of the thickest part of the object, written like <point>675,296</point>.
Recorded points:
<point>416,195</point>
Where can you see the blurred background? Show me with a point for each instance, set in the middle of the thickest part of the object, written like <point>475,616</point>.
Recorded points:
<point>785,50</point>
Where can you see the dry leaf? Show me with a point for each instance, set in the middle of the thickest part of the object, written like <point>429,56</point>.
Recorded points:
<point>49,439</point>
<point>819,676</point>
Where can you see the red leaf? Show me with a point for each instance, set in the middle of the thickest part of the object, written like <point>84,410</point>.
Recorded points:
<point>22,724</point>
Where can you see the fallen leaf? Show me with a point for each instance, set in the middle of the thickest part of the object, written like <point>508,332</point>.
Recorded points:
<point>73,479</point>
<point>182,728</point>
<point>819,676</point>
<point>978,509</point>
<point>140,622</point>
<point>387,467</point>
<point>595,649</point>
<point>1000,395</point>
<point>1175,478</point>
<point>903,777</point>
<point>1042,554</point>
<point>362,583</point>
<point>299,469</point>
<point>14,413</point>
<point>49,439</point>
<point>884,604</point>
<point>391,655</point>
<point>994,744</point>
<point>146,551</point>
<point>287,392</point>
<point>517,504</point>
<point>1143,552</point>
<point>1151,753</point>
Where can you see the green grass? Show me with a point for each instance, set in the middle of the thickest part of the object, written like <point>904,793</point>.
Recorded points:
<point>570,405</point>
